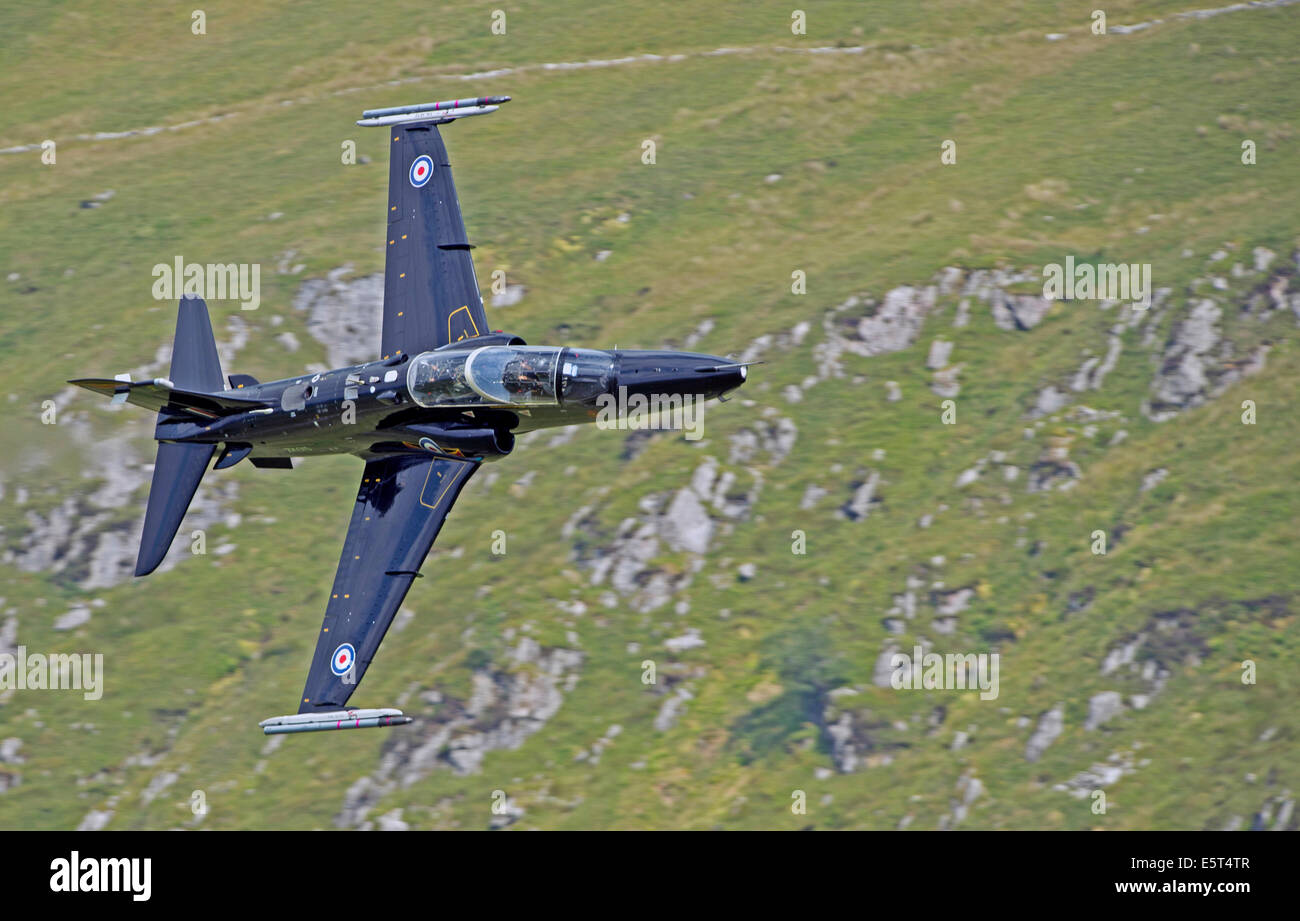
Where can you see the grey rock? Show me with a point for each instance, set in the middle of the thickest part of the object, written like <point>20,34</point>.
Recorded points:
<point>1050,400</point>
<point>1102,708</point>
<point>1018,311</point>
<point>844,751</point>
<point>859,506</point>
<point>1181,381</point>
<point>940,352</point>
<point>344,314</point>
<point>686,525</point>
<point>812,494</point>
<point>1050,726</point>
<point>95,820</point>
<point>690,640</point>
<point>945,383</point>
<point>1153,479</point>
<point>776,438</point>
<point>882,674</point>
<point>671,709</point>
<point>954,602</point>
<point>73,619</point>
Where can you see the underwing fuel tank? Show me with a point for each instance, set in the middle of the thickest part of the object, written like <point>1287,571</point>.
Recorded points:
<point>334,719</point>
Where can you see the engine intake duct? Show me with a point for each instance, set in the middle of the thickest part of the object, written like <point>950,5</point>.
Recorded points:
<point>462,440</point>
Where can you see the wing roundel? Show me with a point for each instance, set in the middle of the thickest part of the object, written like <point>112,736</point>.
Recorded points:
<point>431,294</point>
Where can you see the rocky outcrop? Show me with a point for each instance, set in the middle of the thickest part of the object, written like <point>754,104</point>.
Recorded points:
<point>507,704</point>
<point>774,437</point>
<point>686,521</point>
<point>1098,776</point>
<point>84,540</point>
<point>1018,311</point>
<point>345,315</point>
<point>1198,360</point>
<point>1053,469</point>
<point>866,328</point>
<point>864,495</point>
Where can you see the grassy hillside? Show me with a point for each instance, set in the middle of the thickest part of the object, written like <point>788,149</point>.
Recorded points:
<point>817,153</point>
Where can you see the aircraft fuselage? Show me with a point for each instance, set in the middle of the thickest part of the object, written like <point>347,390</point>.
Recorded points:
<point>370,409</point>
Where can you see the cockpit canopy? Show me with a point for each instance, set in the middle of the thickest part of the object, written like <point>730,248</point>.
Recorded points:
<point>510,375</point>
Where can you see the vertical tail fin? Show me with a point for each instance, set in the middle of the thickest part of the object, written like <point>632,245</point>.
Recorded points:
<point>178,468</point>
<point>195,365</point>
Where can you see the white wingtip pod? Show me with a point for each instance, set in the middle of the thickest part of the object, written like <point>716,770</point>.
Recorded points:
<point>334,719</point>
<point>440,112</point>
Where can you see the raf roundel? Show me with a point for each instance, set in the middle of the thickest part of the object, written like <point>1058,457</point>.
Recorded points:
<point>421,170</point>
<point>341,664</point>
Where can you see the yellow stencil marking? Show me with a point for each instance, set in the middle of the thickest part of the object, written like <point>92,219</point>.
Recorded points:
<point>469,317</point>
<point>438,501</point>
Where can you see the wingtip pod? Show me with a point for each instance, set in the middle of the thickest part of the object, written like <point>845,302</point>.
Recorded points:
<point>334,719</point>
<point>446,104</point>
<point>445,111</point>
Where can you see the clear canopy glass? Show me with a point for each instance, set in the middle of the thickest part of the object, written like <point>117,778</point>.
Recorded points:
<point>520,375</point>
<point>514,375</point>
<point>438,379</point>
<point>585,374</point>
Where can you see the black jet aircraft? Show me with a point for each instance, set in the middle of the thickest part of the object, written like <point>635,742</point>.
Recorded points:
<point>446,394</point>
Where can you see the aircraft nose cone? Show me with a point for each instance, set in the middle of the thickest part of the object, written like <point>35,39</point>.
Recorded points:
<point>722,374</point>
<point>734,376</point>
<point>664,372</point>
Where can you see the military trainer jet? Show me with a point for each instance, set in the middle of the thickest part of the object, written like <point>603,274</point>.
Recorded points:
<point>445,395</point>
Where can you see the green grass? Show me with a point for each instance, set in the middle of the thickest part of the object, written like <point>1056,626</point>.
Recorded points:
<point>1099,134</point>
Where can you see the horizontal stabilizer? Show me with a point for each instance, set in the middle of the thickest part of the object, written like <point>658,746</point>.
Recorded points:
<point>176,474</point>
<point>334,719</point>
<point>161,395</point>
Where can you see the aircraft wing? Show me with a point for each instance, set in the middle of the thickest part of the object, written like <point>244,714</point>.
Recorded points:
<point>401,505</point>
<point>431,294</point>
<point>161,395</point>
